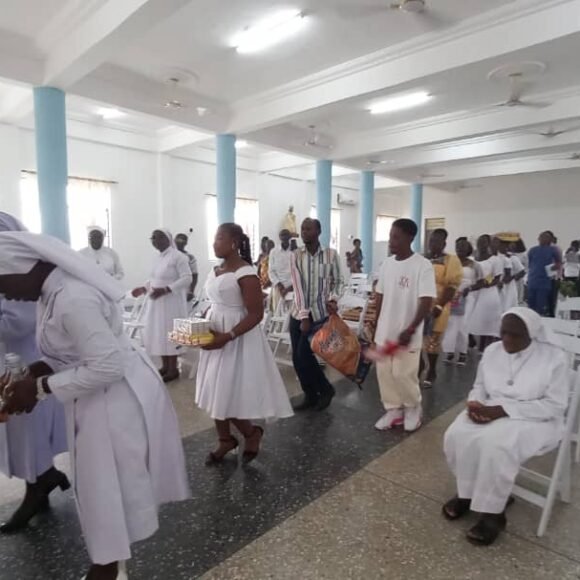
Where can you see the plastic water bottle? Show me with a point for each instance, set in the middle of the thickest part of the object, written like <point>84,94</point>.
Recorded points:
<point>13,365</point>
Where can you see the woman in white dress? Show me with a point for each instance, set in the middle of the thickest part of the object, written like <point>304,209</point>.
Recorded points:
<point>514,412</point>
<point>237,378</point>
<point>456,338</point>
<point>28,443</point>
<point>167,300</point>
<point>123,435</point>
<point>485,318</point>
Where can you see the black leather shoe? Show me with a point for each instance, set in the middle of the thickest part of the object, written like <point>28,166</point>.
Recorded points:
<point>306,404</point>
<point>325,400</point>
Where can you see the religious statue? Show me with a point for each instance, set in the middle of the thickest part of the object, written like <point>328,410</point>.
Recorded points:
<point>289,222</point>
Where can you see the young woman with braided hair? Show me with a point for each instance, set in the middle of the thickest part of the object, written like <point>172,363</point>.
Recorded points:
<point>237,378</point>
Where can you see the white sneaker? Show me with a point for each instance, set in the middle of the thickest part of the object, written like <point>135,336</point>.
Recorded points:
<point>392,418</point>
<point>413,418</point>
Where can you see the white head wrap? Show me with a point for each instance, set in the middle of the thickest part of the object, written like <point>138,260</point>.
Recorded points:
<point>96,229</point>
<point>168,235</point>
<point>9,223</point>
<point>535,325</point>
<point>20,251</point>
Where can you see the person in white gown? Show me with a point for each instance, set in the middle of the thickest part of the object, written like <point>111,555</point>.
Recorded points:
<point>485,318</point>
<point>456,340</point>
<point>514,412</point>
<point>123,435</point>
<point>166,300</point>
<point>104,257</point>
<point>28,443</point>
<point>515,271</point>
<point>280,271</point>
<point>237,377</point>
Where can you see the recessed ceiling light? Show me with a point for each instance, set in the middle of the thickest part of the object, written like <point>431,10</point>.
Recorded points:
<point>400,103</point>
<point>110,113</point>
<point>269,31</point>
<point>241,144</point>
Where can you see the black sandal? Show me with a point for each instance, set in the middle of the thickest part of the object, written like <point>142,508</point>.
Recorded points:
<point>456,508</point>
<point>254,440</point>
<point>487,529</point>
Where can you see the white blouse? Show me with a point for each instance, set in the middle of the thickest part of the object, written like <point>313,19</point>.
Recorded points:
<point>533,384</point>
<point>107,259</point>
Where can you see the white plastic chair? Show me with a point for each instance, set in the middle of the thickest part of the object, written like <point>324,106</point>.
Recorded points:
<point>558,483</point>
<point>350,301</point>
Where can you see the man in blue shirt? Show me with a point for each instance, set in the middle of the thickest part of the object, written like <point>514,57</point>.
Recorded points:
<point>542,258</point>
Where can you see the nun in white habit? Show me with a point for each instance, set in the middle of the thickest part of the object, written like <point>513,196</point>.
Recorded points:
<point>514,412</point>
<point>28,443</point>
<point>126,452</point>
<point>166,293</point>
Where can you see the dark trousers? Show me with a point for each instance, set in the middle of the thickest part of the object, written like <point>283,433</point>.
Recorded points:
<point>312,379</point>
<point>539,299</point>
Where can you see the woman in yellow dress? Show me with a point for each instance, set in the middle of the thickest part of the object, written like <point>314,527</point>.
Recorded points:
<point>448,276</point>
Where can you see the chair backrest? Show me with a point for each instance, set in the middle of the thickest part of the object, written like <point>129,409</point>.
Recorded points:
<point>352,301</point>
<point>571,344</point>
<point>561,326</point>
<point>565,308</point>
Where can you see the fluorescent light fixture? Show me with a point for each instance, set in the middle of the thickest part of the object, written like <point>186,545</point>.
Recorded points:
<point>110,113</point>
<point>241,144</point>
<point>400,103</point>
<point>271,30</point>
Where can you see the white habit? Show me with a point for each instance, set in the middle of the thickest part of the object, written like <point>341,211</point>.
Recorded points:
<point>241,380</point>
<point>485,459</point>
<point>126,452</point>
<point>171,270</point>
<point>107,259</point>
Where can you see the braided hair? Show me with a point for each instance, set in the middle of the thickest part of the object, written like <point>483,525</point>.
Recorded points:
<point>241,239</point>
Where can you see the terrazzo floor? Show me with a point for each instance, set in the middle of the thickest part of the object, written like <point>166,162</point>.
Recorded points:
<point>329,497</point>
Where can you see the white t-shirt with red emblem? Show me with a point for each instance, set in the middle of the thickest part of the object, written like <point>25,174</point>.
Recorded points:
<point>402,283</point>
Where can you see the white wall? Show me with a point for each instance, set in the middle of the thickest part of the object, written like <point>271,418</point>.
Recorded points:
<point>155,190</point>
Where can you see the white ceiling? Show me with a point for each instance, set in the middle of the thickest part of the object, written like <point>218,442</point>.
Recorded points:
<point>120,53</point>
<point>197,37</point>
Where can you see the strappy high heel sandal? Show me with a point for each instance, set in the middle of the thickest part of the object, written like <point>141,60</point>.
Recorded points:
<point>252,447</point>
<point>226,446</point>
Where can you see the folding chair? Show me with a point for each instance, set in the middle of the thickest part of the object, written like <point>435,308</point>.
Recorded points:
<point>568,309</point>
<point>277,332</point>
<point>133,320</point>
<point>558,483</point>
<point>351,303</point>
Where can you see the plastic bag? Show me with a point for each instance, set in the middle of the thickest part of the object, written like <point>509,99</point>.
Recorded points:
<point>336,344</point>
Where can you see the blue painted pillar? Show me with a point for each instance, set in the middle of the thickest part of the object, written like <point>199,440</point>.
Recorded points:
<point>51,160</point>
<point>226,177</point>
<point>366,226</point>
<point>417,213</point>
<point>324,198</point>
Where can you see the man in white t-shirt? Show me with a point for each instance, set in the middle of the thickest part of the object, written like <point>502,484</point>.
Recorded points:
<point>405,293</point>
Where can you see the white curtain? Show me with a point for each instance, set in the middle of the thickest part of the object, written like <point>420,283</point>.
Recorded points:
<point>88,200</point>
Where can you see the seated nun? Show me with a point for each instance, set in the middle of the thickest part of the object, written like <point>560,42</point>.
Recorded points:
<point>514,412</point>
<point>122,431</point>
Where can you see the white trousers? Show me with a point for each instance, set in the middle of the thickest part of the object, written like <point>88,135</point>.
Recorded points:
<point>455,338</point>
<point>485,459</point>
<point>399,380</point>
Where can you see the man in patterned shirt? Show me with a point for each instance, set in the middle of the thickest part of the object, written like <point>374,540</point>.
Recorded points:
<point>317,282</point>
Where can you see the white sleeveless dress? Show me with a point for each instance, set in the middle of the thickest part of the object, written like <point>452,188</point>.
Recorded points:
<point>240,380</point>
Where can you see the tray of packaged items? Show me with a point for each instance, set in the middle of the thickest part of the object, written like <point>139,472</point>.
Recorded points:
<point>194,332</point>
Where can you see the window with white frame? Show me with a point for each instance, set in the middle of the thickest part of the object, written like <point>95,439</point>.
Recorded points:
<point>334,226</point>
<point>88,200</point>
<point>247,216</point>
<point>383,227</point>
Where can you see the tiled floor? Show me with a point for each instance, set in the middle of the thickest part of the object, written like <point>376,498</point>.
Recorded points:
<point>329,497</point>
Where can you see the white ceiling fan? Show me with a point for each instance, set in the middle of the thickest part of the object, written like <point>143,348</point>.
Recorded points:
<point>518,87</point>
<point>314,140</point>
<point>419,8</point>
<point>550,133</point>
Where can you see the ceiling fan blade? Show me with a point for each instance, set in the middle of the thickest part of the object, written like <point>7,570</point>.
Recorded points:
<point>348,11</point>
